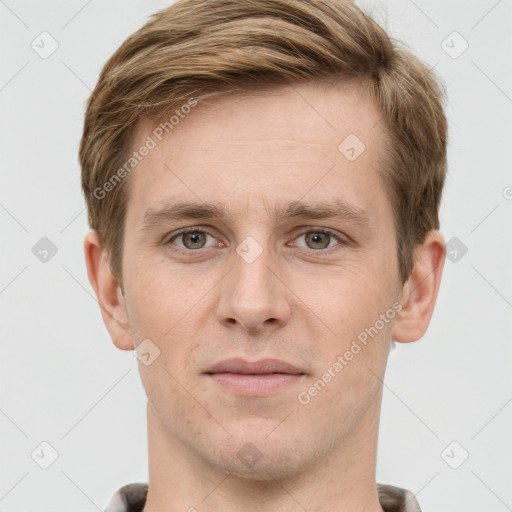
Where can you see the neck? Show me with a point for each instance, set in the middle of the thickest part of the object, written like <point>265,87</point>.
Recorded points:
<point>180,480</point>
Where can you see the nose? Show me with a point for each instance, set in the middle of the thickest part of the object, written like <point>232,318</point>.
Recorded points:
<point>254,296</point>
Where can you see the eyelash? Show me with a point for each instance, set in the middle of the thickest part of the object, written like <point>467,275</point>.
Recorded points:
<point>199,230</point>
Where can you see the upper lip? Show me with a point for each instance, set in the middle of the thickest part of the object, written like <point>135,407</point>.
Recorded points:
<point>262,366</point>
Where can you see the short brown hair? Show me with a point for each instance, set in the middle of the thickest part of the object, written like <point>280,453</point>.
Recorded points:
<point>196,48</point>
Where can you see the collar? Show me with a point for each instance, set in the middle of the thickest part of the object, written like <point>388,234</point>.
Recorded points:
<point>132,498</point>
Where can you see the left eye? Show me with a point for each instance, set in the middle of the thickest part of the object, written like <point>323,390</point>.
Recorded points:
<point>319,239</point>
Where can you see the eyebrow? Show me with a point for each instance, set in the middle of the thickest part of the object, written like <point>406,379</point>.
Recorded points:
<point>183,210</point>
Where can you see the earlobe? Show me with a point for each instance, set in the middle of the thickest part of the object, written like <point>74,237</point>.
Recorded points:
<point>108,292</point>
<point>419,293</point>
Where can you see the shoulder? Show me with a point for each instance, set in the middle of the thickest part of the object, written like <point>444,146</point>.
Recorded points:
<point>396,499</point>
<point>129,498</point>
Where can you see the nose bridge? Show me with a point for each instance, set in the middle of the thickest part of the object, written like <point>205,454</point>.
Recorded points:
<point>253,295</point>
<point>252,264</point>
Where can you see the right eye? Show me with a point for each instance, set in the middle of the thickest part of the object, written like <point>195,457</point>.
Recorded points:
<point>192,239</point>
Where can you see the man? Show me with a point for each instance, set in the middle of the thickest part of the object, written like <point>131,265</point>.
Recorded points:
<point>263,181</point>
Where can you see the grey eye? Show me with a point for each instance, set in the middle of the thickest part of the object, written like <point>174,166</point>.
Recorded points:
<point>318,240</point>
<point>194,239</point>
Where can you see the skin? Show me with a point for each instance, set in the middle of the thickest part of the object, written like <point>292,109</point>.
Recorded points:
<point>298,301</point>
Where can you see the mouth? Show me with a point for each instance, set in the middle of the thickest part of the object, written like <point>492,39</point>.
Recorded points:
<point>254,378</point>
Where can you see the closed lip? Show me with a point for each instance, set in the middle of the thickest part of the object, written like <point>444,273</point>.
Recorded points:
<point>260,367</point>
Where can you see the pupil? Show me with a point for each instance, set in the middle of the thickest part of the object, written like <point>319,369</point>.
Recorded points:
<point>316,238</point>
<point>194,238</point>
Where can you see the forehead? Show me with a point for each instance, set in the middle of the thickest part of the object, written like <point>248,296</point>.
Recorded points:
<point>307,141</point>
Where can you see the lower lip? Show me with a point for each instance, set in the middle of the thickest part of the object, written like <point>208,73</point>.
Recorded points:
<point>255,385</point>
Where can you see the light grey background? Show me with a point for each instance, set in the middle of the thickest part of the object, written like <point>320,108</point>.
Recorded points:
<point>64,383</point>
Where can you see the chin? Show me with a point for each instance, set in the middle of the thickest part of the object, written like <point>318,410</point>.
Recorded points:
<point>268,468</point>
<point>261,455</point>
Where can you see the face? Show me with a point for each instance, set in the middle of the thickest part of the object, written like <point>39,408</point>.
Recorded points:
<point>289,254</point>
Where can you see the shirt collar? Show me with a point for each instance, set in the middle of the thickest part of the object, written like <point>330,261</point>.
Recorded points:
<point>132,498</point>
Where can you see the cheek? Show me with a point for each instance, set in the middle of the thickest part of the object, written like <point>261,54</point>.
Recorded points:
<point>171,400</point>
<point>357,315</point>
<point>158,300</point>
<point>349,297</point>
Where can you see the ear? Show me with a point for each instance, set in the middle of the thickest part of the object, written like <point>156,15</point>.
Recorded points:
<point>108,292</point>
<point>419,293</point>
